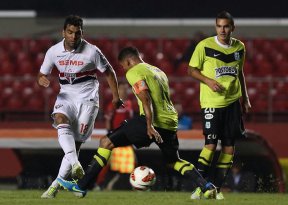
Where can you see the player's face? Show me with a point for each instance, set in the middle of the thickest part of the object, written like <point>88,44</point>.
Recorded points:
<point>224,30</point>
<point>126,65</point>
<point>72,35</point>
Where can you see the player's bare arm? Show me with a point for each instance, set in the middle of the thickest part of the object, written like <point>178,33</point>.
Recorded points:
<point>113,84</point>
<point>246,105</point>
<point>42,80</point>
<point>212,84</point>
<point>145,98</point>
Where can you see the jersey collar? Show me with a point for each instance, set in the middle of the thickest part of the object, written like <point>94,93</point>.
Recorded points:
<point>73,51</point>
<point>222,45</point>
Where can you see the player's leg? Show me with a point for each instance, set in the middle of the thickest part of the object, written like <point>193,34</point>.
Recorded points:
<point>223,166</point>
<point>107,143</point>
<point>233,129</point>
<point>203,166</point>
<point>67,142</point>
<point>169,149</point>
<point>130,132</point>
<point>64,172</point>
<point>61,115</point>
<point>211,124</point>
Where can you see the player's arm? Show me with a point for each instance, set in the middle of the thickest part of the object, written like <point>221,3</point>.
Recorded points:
<point>46,68</point>
<point>109,117</point>
<point>113,84</point>
<point>42,80</point>
<point>211,83</point>
<point>143,95</point>
<point>246,105</point>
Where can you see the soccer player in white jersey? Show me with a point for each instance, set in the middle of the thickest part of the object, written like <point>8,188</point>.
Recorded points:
<point>77,103</point>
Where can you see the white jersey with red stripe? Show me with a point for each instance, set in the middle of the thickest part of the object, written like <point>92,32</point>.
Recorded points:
<point>72,64</point>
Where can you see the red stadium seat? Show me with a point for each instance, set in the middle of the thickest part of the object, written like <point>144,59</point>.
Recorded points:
<point>36,104</point>
<point>182,69</point>
<point>264,68</point>
<point>7,68</point>
<point>14,103</point>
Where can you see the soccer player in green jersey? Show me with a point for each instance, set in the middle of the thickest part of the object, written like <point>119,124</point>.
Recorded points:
<point>157,123</point>
<point>217,63</point>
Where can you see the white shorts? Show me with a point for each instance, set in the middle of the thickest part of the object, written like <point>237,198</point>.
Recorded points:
<point>81,115</point>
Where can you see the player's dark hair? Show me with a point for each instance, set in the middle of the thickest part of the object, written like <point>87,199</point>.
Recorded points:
<point>73,20</point>
<point>127,52</point>
<point>225,15</point>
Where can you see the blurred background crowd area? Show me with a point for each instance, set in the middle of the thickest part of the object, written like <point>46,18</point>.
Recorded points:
<point>266,71</point>
<point>166,35</point>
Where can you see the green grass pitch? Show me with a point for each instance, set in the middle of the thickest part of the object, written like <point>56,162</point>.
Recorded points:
<point>32,197</point>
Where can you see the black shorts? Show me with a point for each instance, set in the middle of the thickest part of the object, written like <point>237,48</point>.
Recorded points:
<point>134,132</point>
<point>223,124</point>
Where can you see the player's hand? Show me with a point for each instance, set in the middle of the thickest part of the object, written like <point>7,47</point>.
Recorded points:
<point>215,86</point>
<point>43,81</point>
<point>118,103</point>
<point>152,133</point>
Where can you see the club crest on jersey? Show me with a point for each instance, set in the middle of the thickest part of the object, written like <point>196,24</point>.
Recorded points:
<point>207,125</point>
<point>70,77</point>
<point>226,70</point>
<point>237,56</point>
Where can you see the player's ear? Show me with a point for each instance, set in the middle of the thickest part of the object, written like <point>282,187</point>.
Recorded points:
<point>63,33</point>
<point>233,28</point>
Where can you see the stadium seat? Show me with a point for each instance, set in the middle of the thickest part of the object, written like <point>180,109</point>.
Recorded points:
<point>165,65</point>
<point>14,103</point>
<point>7,68</point>
<point>35,104</point>
<point>182,69</point>
<point>264,68</point>
<point>26,67</point>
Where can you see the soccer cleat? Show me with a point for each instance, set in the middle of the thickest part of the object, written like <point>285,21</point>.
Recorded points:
<point>50,193</point>
<point>77,171</point>
<point>220,196</point>
<point>73,187</point>
<point>210,194</point>
<point>211,191</point>
<point>196,194</point>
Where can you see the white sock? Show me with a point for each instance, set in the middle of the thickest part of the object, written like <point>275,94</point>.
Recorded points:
<point>67,142</point>
<point>64,171</point>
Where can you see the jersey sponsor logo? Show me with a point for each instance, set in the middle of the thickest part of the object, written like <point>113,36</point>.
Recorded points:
<point>208,116</point>
<point>216,54</point>
<point>71,62</point>
<point>226,70</point>
<point>207,125</point>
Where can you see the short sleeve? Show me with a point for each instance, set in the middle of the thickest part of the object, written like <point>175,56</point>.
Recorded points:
<point>198,57</point>
<point>100,61</point>
<point>47,65</point>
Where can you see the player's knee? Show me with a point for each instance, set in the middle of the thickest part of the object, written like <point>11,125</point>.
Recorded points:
<point>60,118</point>
<point>106,143</point>
<point>211,147</point>
<point>228,149</point>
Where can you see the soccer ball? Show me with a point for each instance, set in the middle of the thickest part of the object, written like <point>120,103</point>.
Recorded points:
<point>142,178</point>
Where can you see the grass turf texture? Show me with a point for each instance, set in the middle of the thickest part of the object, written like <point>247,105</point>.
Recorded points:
<point>32,197</point>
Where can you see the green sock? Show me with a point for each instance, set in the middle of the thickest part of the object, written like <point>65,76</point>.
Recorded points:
<point>223,165</point>
<point>204,161</point>
<point>99,161</point>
